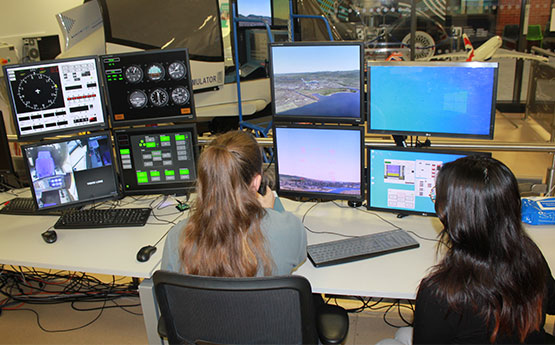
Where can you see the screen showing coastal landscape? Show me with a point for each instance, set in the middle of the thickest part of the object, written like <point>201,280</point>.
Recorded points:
<point>254,10</point>
<point>323,162</point>
<point>317,82</point>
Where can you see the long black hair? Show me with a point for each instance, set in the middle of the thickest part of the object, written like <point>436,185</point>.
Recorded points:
<point>490,265</point>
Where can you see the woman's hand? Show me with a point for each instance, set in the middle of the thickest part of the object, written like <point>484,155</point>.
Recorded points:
<point>267,200</point>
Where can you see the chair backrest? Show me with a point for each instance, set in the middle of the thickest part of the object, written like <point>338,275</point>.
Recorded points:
<point>534,33</point>
<point>511,31</point>
<point>262,310</point>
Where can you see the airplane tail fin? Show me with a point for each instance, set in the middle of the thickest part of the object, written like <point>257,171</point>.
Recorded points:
<point>468,48</point>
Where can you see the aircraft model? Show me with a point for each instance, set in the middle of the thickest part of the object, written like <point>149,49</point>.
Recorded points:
<point>489,49</point>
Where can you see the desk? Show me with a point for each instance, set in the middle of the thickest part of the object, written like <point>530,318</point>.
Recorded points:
<point>109,251</point>
<point>395,275</point>
<point>112,251</point>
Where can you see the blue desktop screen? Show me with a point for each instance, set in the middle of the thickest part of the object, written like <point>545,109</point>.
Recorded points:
<point>455,100</point>
<point>319,161</point>
<point>322,81</point>
<point>403,179</point>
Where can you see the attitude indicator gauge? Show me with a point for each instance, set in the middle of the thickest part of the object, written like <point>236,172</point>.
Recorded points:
<point>155,72</point>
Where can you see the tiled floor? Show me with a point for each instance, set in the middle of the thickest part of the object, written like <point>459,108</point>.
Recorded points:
<point>116,326</point>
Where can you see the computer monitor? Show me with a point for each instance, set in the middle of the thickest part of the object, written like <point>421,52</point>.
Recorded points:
<point>71,171</point>
<point>48,98</point>
<point>322,162</point>
<point>6,163</point>
<point>400,179</point>
<point>148,87</point>
<point>317,82</point>
<point>445,99</point>
<point>157,160</point>
<point>254,9</point>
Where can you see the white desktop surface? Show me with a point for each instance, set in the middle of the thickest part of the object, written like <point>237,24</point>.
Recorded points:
<point>103,250</point>
<point>394,275</point>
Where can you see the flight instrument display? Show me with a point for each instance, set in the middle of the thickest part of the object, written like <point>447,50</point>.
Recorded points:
<point>50,98</point>
<point>149,87</point>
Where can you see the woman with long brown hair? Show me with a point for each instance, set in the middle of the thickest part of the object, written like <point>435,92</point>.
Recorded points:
<point>232,230</point>
<point>493,285</point>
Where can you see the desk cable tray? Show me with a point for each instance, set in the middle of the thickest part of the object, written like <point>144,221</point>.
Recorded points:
<point>362,247</point>
<point>103,218</point>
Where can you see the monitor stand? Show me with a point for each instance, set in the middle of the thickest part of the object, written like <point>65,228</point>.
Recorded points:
<point>400,140</point>
<point>354,204</point>
<point>402,215</point>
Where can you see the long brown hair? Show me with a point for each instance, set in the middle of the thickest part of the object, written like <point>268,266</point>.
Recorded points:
<point>491,264</point>
<point>223,236</point>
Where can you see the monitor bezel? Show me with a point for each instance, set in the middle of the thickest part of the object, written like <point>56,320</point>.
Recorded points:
<point>53,133</point>
<point>319,118</point>
<point>181,187</point>
<point>472,64</point>
<point>78,203</point>
<point>407,149</point>
<point>5,145</point>
<point>316,195</point>
<point>157,120</point>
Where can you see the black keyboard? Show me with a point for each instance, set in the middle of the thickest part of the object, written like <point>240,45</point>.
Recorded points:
<point>27,207</point>
<point>358,248</point>
<point>103,218</point>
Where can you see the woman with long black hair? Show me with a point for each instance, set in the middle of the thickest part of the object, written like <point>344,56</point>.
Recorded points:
<point>493,284</point>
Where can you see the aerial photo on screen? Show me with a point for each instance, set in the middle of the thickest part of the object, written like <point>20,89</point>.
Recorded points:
<point>306,184</point>
<point>317,80</point>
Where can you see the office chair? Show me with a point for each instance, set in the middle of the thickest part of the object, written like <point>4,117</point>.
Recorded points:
<point>260,310</point>
<point>535,34</point>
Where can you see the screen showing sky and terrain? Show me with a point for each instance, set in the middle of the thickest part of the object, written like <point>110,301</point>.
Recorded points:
<point>317,80</point>
<point>319,160</point>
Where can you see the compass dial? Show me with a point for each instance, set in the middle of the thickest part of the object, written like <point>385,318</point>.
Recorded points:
<point>155,72</point>
<point>176,70</point>
<point>180,95</point>
<point>37,91</point>
<point>133,74</point>
<point>159,97</point>
<point>138,99</point>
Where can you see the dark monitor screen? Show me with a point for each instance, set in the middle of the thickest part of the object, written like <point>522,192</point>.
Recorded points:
<point>55,97</point>
<point>401,179</point>
<point>450,99</point>
<point>6,163</point>
<point>71,171</point>
<point>317,82</point>
<point>157,160</point>
<point>254,9</point>
<point>148,87</point>
<point>324,162</point>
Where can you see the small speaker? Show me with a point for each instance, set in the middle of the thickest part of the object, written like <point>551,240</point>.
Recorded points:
<point>30,50</point>
<point>40,48</point>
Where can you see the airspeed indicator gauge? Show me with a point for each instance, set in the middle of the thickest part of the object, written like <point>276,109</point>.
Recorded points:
<point>176,70</point>
<point>159,97</point>
<point>133,74</point>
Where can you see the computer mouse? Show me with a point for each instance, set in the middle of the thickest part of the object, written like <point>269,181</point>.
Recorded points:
<point>49,236</point>
<point>145,253</point>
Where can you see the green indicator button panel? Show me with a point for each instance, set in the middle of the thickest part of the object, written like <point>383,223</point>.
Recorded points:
<point>142,177</point>
<point>169,173</point>
<point>184,171</point>
<point>125,151</point>
<point>179,137</point>
<point>154,173</point>
<point>164,138</point>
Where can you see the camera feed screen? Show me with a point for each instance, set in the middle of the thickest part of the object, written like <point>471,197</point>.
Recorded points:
<point>65,173</point>
<point>254,9</point>
<point>317,82</point>
<point>319,162</point>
